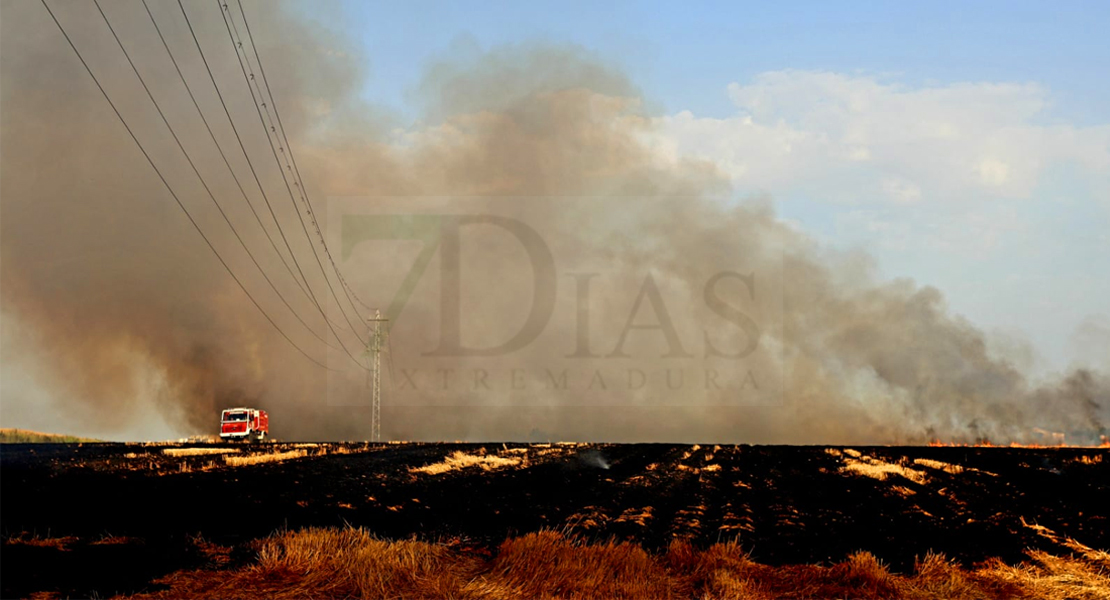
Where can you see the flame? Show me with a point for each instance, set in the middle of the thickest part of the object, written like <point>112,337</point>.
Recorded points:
<point>1058,439</point>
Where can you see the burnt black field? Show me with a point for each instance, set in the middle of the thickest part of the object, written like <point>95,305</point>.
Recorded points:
<point>785,504</point>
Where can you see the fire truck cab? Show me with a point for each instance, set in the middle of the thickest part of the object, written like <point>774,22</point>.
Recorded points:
<point>248,424</point>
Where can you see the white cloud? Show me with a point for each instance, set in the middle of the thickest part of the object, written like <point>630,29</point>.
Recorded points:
<point>993,172</point>
<point>863,140</point>
<point>901,191</point>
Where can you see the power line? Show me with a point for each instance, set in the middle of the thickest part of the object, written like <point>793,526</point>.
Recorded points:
<point>308,201</point>
<point>218,147</point>
<point>231,170</point>
<point>284,140</point>
<point>254,172</point>
<point>203,183</point>
<point>180,205</point>
<point>237,45</point>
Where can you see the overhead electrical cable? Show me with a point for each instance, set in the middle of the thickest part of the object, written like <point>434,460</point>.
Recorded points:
<point>204,184</point>
<point>254,172</point>
<point>293,160</point>
<point>227,163</point>
<point>173,194</point>
<point>260,104</point>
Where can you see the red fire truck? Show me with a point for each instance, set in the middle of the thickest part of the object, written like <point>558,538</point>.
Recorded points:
<point>248,424</point>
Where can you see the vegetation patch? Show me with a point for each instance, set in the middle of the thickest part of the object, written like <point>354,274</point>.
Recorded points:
<point>460,460</point>
<point>255,459</point>
<point>24,436</point>
<point>353,563</point>
<point>197,451</point>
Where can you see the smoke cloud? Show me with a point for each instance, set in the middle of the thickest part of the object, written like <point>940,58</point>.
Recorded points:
<point>111,302</point>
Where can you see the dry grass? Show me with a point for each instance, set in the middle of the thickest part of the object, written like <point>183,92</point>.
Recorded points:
<point>197,451</point>
<point>1097,558</point>
<point>333,563</point>
<point>639,516</point>
<point>255,459</point>
<point>461,460</point>
<point>58,543</point>
<point>875,468</point>
<point>26,436</point>
<point>725,572</point>
<point>352,563</point>
<point>546,564</point>
<point>939,465</point>
<point>1050,577</point>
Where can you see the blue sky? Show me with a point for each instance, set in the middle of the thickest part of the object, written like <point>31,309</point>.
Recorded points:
<point>682,56</point>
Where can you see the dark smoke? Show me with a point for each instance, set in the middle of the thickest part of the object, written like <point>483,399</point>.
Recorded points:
<point>113,302</point>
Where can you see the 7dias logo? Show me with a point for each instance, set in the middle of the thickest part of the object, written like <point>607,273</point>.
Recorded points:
<point>557,301</point>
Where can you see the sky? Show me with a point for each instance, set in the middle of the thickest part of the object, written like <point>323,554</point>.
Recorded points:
<point>963,145</point>
<point>683,58</point>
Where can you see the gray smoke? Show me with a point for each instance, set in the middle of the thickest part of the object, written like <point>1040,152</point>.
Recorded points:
<point>593,458</point>
<point>111,298</point>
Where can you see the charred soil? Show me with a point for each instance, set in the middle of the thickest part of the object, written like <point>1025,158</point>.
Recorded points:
<point>783,505</point>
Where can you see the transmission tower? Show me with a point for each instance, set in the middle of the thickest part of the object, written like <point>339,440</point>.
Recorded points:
<point>378,333</point>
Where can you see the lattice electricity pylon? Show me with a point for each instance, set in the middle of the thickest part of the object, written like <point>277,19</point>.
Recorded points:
<point>378,333</point>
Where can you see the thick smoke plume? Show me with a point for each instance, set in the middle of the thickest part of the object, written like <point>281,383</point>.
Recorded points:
<point>111,301</point>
